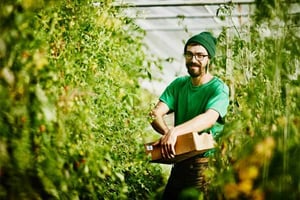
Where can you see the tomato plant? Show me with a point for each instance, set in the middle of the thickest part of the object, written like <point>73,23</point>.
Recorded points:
<point>72,114</point>
<point>257,155</point>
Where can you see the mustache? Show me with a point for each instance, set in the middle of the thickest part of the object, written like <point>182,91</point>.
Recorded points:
<point>193,64</point>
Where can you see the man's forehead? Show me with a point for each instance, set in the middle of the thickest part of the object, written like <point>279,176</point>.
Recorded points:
<point>196,48</point>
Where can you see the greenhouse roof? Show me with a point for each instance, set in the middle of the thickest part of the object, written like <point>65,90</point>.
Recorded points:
<point>168,24</point>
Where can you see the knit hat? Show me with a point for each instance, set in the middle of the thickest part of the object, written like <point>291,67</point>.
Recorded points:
<point>207,40</point>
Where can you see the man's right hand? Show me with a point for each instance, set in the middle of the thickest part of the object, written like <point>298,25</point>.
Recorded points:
<point>167,143</point>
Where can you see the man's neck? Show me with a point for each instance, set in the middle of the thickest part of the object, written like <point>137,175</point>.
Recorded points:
<point>200,80</point>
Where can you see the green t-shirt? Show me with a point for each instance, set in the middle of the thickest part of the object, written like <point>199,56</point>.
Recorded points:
<point>188,101</point>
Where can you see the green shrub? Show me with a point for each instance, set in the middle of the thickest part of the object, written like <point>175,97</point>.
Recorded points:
<point>256,158</point>
<point>72,112</point>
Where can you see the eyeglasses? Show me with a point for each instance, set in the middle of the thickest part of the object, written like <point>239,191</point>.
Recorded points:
<point>189,56</point>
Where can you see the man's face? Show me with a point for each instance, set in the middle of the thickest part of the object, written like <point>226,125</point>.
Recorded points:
<point>196,59</point>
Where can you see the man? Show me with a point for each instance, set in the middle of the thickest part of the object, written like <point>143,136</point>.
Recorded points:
<point>199,102</point>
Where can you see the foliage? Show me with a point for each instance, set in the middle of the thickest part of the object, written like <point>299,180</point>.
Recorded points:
<point>257,157</point>
<point>71,108</point>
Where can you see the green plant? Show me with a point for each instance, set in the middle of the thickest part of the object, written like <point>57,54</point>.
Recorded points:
<point>256,158</point>
<point>72,112</point>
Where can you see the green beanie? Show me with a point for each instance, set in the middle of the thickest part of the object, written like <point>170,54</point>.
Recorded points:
<point>207,40</point>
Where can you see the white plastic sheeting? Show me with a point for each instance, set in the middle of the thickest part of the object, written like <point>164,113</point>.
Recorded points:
<point>168,24</point>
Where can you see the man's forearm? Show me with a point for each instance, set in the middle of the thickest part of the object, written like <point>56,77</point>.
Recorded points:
<point>198,123</point>
<point>160,125</point>
<point>157,115</point>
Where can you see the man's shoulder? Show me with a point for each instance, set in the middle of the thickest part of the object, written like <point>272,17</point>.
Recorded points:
<point>219,83</point>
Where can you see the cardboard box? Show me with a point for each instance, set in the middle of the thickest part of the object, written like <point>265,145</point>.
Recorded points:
<point>187,146</point>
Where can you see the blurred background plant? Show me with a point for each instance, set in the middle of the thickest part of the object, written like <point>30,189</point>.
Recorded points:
<point>72,112</point>
<point>258,156</point>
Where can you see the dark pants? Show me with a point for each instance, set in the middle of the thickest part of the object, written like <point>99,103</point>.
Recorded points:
<point>187,180</point>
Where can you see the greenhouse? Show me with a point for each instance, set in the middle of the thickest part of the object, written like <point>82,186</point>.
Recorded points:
<point>87,86</point>
<point>169,23</point>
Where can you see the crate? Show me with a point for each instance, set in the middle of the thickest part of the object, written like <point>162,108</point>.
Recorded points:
<point>187,146</point>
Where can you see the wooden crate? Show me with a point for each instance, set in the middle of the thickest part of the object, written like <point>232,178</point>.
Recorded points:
<point>187,146</point>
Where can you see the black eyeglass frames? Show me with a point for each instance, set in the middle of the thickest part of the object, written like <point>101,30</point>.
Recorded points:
<point>189,56</point>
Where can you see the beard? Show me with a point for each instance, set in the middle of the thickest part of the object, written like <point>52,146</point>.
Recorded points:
<point>195,69</point>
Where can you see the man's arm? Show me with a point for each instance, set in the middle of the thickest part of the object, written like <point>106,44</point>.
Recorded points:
<point>157,114</point>
<point>197,124</point>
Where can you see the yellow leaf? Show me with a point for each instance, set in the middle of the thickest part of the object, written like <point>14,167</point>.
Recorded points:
<point>245,186</point>
<point>250,172</point>
<point>231,191</point>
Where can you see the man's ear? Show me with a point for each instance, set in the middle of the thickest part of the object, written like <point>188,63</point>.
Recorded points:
<point>207,66</point>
